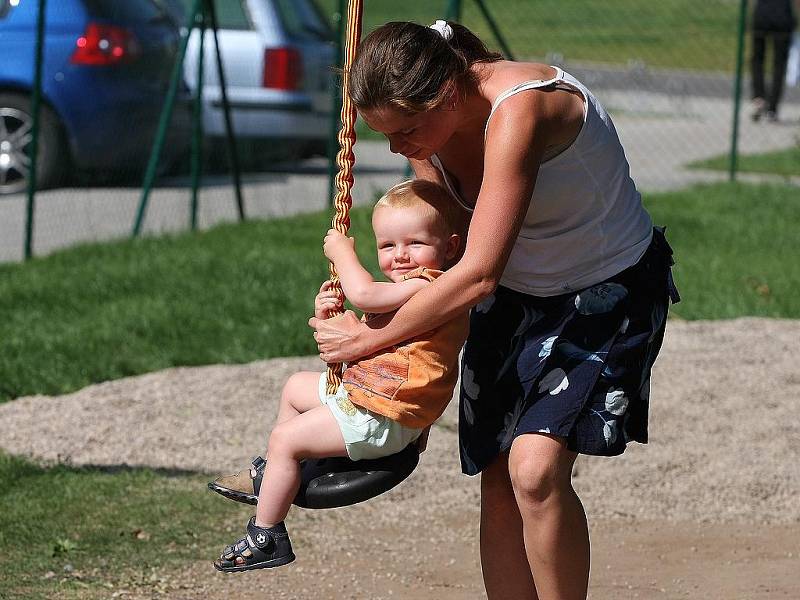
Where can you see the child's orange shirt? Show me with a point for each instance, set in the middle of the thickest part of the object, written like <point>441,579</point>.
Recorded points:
<point>411,382</point>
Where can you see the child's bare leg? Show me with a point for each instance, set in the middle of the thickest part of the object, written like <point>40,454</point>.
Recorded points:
<point>312,434</point>
<point>299,395</point>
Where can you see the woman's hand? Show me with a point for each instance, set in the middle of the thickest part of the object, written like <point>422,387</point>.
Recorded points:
<point>326,301</point>
<point>336,244</point>
<point>338,338</point>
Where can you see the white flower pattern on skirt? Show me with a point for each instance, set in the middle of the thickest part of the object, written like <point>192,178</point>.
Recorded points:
<point>616,402</point>
<point>485,305</point>
<point>468,384</point>
<point>575,366</point>
<point>600,298</point>
<point>554,382</point>
<point>547,346</point>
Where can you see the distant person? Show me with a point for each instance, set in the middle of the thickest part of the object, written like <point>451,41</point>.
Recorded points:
<point>773,23</point>
<point>387,399</point>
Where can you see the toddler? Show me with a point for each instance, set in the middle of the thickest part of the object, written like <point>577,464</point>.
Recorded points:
<point>386,400</point>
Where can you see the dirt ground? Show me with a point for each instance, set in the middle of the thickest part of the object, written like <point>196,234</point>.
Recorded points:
<point>710,509</point>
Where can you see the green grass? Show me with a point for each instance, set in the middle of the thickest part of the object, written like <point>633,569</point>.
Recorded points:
<point>735,247</point>
<point>110,529</point>
<point>98,312</point>
<point>781,162</point>
<point>671,33</point>
<point>239,293</point>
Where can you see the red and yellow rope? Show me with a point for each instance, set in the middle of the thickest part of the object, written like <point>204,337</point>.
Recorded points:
<point>345,159</point>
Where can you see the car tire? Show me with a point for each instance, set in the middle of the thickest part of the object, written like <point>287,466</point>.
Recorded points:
<point>16,118</point>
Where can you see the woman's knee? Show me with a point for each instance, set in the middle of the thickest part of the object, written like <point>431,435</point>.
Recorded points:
<point>495,482</point>
<point>540,467</point>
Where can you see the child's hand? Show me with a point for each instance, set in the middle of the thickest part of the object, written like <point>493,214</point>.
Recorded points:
<point>336,244</point>
<point>328,299</point>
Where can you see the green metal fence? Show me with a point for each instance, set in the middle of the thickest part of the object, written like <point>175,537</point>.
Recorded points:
<point>202,16</point>
<point>674,76</point>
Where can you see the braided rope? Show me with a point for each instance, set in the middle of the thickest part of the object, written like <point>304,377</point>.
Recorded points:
<point>345,159</point>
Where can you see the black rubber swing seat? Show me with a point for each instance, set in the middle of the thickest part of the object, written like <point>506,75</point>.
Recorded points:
<point>327,482</point>
<point>335,482</point>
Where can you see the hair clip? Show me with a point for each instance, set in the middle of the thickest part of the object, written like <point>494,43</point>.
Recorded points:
<point>443,29</point>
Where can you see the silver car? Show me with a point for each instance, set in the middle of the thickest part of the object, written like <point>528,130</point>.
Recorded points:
<point>278,57</point>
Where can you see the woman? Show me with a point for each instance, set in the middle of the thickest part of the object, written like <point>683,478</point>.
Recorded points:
<point>569,280</point>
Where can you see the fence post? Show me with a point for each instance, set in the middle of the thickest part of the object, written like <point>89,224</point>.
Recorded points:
<point>35,104</point>
<point>197,123</point>
<point>495,30</point>
<point>737,90</point>
<point>453,11</point>
<point>166,116</point>
<point>233,153</point>
<point>336,105</point>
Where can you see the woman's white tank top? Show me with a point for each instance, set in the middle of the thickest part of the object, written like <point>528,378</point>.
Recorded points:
<point>586,221</point>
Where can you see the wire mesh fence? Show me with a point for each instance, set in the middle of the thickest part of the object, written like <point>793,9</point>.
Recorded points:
<point>667,72</point>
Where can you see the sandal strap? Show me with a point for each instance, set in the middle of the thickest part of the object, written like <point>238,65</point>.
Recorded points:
<point>257,473</point>
<point>262,537</point>
<point>235,549</point>
<point>258,465</point>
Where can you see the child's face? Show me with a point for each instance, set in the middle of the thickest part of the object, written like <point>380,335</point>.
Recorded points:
<point>408,238</point>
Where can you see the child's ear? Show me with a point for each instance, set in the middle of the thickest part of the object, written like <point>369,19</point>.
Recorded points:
<point>453,245</point>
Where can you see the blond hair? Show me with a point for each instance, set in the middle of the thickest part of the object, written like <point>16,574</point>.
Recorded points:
<point>428,197</point>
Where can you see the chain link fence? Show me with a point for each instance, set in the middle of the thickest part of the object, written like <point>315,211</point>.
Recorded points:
<point>668,72</point>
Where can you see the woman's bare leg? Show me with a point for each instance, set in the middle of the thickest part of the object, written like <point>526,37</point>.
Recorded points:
<point>554,522</point>
<point>312,434</point>
<point>506,572</point>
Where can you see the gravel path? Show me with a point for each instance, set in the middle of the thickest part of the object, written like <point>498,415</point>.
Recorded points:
<point>722,462</point>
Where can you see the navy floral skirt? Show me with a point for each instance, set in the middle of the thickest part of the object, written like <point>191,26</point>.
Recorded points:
<point>575,365</point>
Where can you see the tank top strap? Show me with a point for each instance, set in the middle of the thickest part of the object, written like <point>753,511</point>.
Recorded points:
<point>521,87</point>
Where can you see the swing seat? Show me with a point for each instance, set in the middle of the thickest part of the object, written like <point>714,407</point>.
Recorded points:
<point>327,482</point>
<point>335,482</point>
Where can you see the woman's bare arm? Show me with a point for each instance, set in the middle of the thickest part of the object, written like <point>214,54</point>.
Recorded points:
<point>515,145</point>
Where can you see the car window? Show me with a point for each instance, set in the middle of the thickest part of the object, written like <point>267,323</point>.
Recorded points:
<point>129,11</point>
<point>231,14</point>
<point>302,19</point>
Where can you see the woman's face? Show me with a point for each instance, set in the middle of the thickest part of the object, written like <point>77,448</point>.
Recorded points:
<point>416,136</point>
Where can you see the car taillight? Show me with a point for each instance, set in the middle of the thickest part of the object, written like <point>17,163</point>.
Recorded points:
<point>104,45</point>
<point>283,68</point>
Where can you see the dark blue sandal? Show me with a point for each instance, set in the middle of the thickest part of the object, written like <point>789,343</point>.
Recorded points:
<point>261,548</point>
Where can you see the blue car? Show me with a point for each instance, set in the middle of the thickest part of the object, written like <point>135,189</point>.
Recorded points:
<point>107,65</point>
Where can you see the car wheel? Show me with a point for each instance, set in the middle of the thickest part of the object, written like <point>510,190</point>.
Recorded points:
<point>16,137</point>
